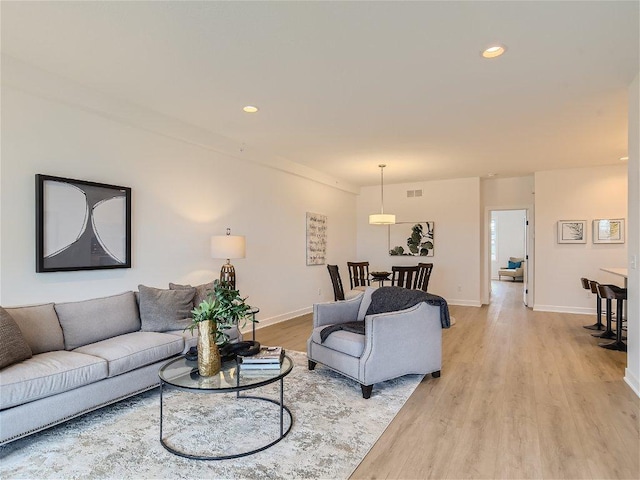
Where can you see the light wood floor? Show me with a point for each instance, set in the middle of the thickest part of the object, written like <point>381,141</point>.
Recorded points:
<point>523,394</point>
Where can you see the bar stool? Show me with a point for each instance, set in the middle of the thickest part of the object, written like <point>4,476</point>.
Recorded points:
<point>612,292</point>
<point>608,333</point>
<point>586,284</point>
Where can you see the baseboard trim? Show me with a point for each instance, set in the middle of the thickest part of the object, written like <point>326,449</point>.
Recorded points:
<point>265,322</point>
<point>464,303</point>
<point>632,381</point>
<point>565,309</point>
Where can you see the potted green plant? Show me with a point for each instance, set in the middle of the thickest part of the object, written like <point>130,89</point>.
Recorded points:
<point>223,309</point>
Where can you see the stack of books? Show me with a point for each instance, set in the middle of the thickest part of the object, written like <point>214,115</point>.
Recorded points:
<point>267,358</point>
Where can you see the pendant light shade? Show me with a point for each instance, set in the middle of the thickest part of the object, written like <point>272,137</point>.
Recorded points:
<point>382,218</point>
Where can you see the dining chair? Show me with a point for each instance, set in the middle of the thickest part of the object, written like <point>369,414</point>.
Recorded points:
<point>336,281</point>
<point>424,273</point>
<point>404,277</point>
<point>359,274</point>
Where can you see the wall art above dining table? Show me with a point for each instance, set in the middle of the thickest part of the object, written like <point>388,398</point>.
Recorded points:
<point>411,239</point>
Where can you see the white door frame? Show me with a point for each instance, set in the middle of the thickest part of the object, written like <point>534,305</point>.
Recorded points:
<point>486,254</point>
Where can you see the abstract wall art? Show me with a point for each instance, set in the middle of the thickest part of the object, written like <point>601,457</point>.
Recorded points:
<point>316,239</point>
<point>572,231</point>
<point>81,225</point>
<point>414,239</point>
<point>608,230</point>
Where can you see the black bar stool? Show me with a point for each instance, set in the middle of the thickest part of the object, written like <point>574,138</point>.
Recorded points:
<point>586,284</point>
<point>608,333</point>
<point>612,292</point>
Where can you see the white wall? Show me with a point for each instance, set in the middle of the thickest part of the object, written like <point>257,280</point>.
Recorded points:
<point>632,373</point>
<point>576,194</point>
<point>507,193</point>
<point>454,206</point>
<point>509,237</point>
<point>183,192</point>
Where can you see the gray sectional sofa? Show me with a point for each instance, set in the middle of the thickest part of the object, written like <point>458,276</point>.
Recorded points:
<point>88,354</point>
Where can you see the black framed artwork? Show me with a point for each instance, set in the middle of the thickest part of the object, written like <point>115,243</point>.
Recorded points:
<point>81,225</point>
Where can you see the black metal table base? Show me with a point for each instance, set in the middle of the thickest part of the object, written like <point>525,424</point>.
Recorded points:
<point>283,432</point>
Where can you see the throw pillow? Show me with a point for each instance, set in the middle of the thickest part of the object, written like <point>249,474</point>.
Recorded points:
<point>165,310</point>
<point>117,315</point>
<point>40,327</point>
<point>13,347</point>
<point>202,291</point>
<point>514,264</point>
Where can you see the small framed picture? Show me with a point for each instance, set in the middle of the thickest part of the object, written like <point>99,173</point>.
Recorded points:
<point>572,231</point>
<point>608,230</point>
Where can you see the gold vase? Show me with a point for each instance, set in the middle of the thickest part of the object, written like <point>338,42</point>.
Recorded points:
<point>208,353</point>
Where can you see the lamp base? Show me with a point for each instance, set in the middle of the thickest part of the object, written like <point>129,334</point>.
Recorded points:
<point>228,275</point>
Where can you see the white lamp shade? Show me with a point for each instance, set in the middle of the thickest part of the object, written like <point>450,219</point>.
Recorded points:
<point>382,219</point>
<point>228,246</point>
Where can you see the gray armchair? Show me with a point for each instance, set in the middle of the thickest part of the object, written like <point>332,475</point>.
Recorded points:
<point>394,344</point>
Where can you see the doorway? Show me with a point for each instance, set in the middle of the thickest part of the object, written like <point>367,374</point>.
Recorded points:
<point>509,241</point>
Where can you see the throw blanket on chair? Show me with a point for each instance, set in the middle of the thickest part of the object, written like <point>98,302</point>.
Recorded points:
<point>392,299</point>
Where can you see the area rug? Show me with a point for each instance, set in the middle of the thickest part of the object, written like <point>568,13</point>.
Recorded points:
<point>333,429</point>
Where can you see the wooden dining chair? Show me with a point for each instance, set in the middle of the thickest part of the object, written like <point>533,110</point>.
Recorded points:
<point>359,274</point>
<point>336,281</point>
<point>404,277</point>
<point>424,273</point>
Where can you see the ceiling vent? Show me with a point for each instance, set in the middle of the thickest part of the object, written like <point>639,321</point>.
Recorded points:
<point>414,193</point>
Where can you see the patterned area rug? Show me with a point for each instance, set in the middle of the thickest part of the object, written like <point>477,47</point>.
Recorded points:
<point>333,429</point>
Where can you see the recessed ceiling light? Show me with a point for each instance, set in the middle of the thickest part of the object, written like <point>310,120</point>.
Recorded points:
<point>250,109</point>
<point>494,51</point>
<point>491,174</point>
<point>624,159</point>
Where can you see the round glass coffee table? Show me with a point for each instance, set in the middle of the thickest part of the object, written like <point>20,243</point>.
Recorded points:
<point>182,374</point>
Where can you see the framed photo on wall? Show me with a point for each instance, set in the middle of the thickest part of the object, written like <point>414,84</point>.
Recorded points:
<point>609,230</point>
<point>572,231</point>
<point>81,225</point>
<point>411,239</point>
<point>316,238</point>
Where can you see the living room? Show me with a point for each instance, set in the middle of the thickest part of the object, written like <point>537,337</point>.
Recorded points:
<point>190,183</point>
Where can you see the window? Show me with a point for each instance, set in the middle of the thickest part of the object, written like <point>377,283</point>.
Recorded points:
<point>494,256</point>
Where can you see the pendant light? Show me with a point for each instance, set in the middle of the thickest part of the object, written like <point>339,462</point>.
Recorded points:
<point>382,218</point>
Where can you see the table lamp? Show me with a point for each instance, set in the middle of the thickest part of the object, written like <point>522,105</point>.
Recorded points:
<point>228,246</point>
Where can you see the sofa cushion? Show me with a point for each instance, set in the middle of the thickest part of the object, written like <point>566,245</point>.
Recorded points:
<point>47,374</point>
<point>164,310</point>
<point>134,350</point>
<point>202,291</point>
<point>514,264</point>
<point>97,319</point>
<point>13,347</point>
<point>341,341</point>
<point>40,326</point>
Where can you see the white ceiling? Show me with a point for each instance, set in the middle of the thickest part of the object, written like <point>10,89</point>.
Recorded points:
<point>344,86</point>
